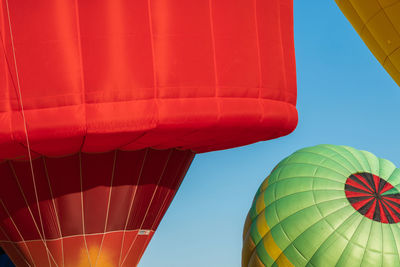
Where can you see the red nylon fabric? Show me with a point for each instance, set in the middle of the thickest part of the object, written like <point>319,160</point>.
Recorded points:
<point>200,75</point>
<point>74,250</point>
<point>92,195</point>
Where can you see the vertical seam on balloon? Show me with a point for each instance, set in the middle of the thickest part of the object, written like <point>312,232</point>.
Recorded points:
<point>55,209</point>
<point>247,241</point>
<point>260,81</point>
<point>26,203</point>
<point>357,157</point>
<point>381,224</point>
<point>369,235</point>
<point>364,22</point>
<point>349,240</point>
<point>317,206</point>
<point>108,206</point>
<point>2,38</point>
<point>25,127</point>
<point>152,48</point>
<point>9,80</point>
<point>19,233</point>
<point>390,176</point>
<point>14,246</point>
<point>153,61</point>
<point>149,206</point>
<point>388,55</point>
<point>131,205</point>
<point>217,93</point>
<point>369,19</point>
<point>180,179</point>
<point>369,162</point>
<point>83,96</point>
<point>213,47</point>
<point>10,74</point>
<point>322,219</point>
<point>395,241</point>
<point>269,240</point>
<point>282,255</point>
<point>166,195</point>
<point>82,208</point>
<point>7,63</point>
<point>281,50</point>
<point>42,238</point>
<point>293,53</point>
<point>262,243</point>
<point>380,203</point>
<point>248,238</point>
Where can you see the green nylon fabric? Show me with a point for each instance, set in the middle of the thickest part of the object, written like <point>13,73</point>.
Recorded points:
<point>310,218</point>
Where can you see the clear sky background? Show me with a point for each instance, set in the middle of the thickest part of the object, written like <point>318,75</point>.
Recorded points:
<point>345,97</point>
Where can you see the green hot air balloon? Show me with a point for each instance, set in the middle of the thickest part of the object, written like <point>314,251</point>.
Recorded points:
<point>326,206</point>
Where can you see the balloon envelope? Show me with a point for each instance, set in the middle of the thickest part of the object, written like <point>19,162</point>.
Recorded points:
<point>113,99</point>
<point>378,24</point>
<point>326,206</point>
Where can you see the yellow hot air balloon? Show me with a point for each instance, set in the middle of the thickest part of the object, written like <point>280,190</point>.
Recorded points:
<point>378,24</point>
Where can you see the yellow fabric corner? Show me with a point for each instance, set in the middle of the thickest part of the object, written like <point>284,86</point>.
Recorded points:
<point>275,252</point>
<point>384,32</point>
<point>264,185</point>
<point>349,11</point>
<point>262,226</point>
<point>373,45</point>
<point>386,3</point>
<point>282,261</point>
<point>366,9</point>
<point>260,203</point>
<point>378,23</point>
<point>393,13</point>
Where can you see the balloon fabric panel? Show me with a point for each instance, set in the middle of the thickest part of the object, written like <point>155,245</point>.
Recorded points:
<point>378,24</point>
<point>103,204</point>
<point>201,75</point>
<point>325,206</point>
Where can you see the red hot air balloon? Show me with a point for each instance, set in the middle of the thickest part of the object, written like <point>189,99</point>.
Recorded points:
<point>103,105</point>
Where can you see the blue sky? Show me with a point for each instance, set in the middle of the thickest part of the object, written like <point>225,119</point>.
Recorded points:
<point>345,97</point>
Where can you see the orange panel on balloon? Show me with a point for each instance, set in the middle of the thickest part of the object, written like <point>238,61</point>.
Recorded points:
<point>105,250</point>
